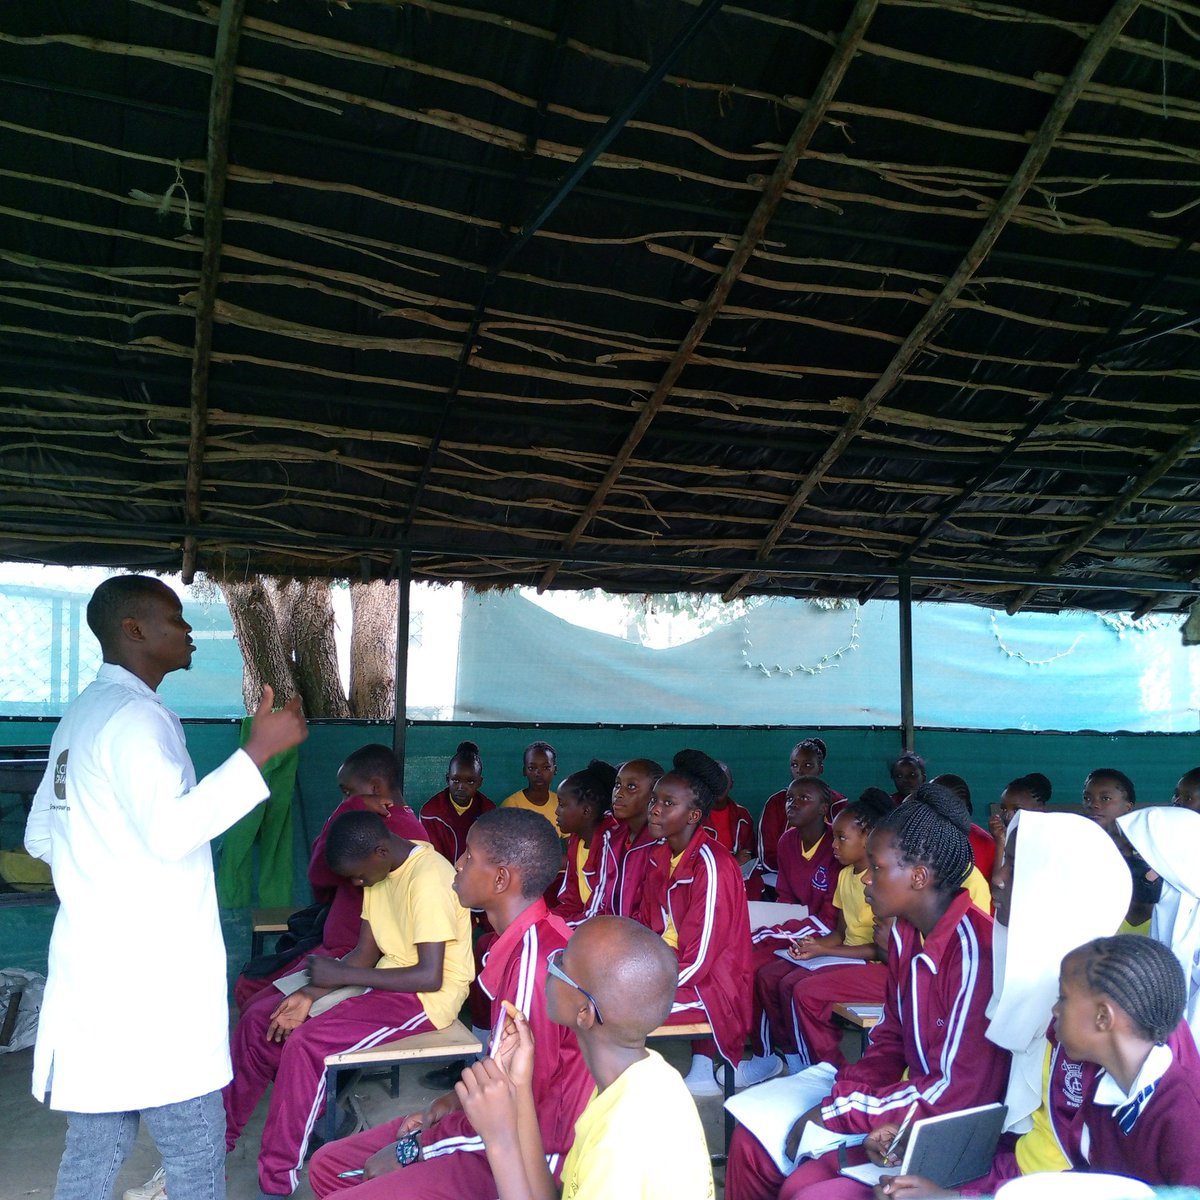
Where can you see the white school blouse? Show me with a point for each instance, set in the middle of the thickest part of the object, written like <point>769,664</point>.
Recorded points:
<point>135,1013</point>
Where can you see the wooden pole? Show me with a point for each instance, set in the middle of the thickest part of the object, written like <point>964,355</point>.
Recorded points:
<point>220,107</point>
<point>906,662</point>
<point>403,612</point>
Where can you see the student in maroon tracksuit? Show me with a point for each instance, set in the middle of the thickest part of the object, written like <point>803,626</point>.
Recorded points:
<point>370,782</point>
<point>1121,1002</point>
<point>694,897</point>
<point>583,803</point>
<point>908,772</point>
<point>626,841</point>
<point>731,824</point>
<point>510,857</point>
<point>807,759</point>
<point>929,1048</point>
<point>448,814</point>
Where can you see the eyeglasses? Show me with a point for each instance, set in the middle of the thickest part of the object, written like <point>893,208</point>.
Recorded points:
<point>553,961</point>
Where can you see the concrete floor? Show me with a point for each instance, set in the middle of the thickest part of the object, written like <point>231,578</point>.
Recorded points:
<point>31,1136</point>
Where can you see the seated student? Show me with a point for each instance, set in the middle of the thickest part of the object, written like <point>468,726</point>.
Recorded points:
<point>448,814</point>
<point>1187,791</point>
<point>627,840</point>
<point>808,868</point>
<point>802,1007</point>
<point>509,858</point>
<point>908,772</point>
<point>1107,795</point>
<point>731,824</point>
<point>414,956</point>
<point>1030,792</point>
<point>640,1135</point>
<point>369,781</point>
<point>929,1049</point>
<point>807,759</point>
<point>695,900</point>
<point>1168,841</point>
<point>983,848</point>
<point>1120,1006</point>
<point>538,765</point>
<point>1048,857</point>
<point>583,802</point>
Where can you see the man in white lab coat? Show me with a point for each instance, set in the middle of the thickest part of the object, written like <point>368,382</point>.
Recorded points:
<point>135,1018</point>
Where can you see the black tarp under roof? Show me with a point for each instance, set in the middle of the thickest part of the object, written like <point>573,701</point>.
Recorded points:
<point>855,290</point>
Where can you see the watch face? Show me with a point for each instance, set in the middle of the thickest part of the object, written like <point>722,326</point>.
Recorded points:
<point>408,1150</point>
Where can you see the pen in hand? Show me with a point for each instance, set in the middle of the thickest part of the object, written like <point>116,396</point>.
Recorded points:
<point>889,1154</point>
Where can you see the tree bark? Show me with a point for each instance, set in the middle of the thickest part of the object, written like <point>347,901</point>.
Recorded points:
<point>305,611</point>
<point>373,650</point>
<point>266,656</point>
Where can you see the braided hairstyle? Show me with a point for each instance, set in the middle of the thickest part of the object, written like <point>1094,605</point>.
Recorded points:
<point>467,754</point>
<point>823,790</point>
<point>1140,976</point>
<point>813,745</point>
<point>931,829</point>
<point>958,785</point>
<point>868,810</point>
<point>540,748</point>
<point>703,775</point>
<point>1035,783</point>
<point>593,785</point>
<point>1118,777</point>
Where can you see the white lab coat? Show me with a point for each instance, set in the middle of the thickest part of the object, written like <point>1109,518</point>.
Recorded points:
<point>135,1014</point>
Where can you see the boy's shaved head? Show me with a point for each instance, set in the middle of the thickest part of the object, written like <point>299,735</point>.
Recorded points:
<point>631,971</point>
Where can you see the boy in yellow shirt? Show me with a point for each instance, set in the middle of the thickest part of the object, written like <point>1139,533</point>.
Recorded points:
<point>612,984</point>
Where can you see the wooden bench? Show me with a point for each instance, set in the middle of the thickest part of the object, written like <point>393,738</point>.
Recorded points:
<point>863,1017</point>
<point>700,1030</point>
<point>455,1041</point>
<point>267,921</point>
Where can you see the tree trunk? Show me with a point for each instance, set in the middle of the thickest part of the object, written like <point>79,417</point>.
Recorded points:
<point>373,649</point>
<point>266,655</point>
<point>306,614</point>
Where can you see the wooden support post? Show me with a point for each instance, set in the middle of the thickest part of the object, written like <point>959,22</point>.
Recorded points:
<point>906,662</point>
<point>403,605</point>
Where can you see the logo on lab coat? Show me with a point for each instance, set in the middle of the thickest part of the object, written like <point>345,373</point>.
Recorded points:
<point>60,776</point>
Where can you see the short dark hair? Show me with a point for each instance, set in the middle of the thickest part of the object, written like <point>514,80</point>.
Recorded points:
<point>353,838</point>
<point>375,761</point>
<point>702,774</point>
<point>594,785</point>
<point>1035,783</point>
<point>930,828</point>
<point>1118,777</point>
<point>120,597</point>
<point>1139,975</point>
<point>521,838</point>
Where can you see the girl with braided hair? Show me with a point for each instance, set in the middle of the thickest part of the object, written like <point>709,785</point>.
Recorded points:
<point>1120,1005</point>
<point>928,1052</point>
<point>448,814</point>
<point>694,898</point>
<point>584,799</point>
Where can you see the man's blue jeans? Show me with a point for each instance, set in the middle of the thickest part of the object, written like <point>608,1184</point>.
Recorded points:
<point>190,1136</point>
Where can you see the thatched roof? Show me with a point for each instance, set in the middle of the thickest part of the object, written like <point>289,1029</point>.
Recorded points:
<point>849,291</point>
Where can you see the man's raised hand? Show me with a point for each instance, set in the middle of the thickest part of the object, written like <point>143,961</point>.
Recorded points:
<point>272,733</point>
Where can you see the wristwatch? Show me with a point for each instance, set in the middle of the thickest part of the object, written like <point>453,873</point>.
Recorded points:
<point>408,1150</point>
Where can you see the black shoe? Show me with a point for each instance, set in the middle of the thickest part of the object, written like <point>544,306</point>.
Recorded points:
<point>445,1077</point>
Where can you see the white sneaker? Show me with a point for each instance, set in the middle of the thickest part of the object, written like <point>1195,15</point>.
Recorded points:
<point>700,1079</point>
<point>751,1071</point>
<point>155,1188</point>
<point>794,1063</point>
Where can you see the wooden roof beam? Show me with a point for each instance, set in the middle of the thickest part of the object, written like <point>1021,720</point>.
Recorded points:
<point>756,227</point>
<point>1097,47</point>
<point>220,106</point>
<point>1182,447</point>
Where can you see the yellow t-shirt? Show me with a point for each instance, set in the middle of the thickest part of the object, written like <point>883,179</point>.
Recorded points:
<point>979,891</point>
<point>671,934</point>
<point>415,904</point>
<point>519,800</point>
<point>581,856</point>
<point>1143,929</point>
<point>851,897</point>
<point>640,1139</point>
<point>1038,1149</point>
